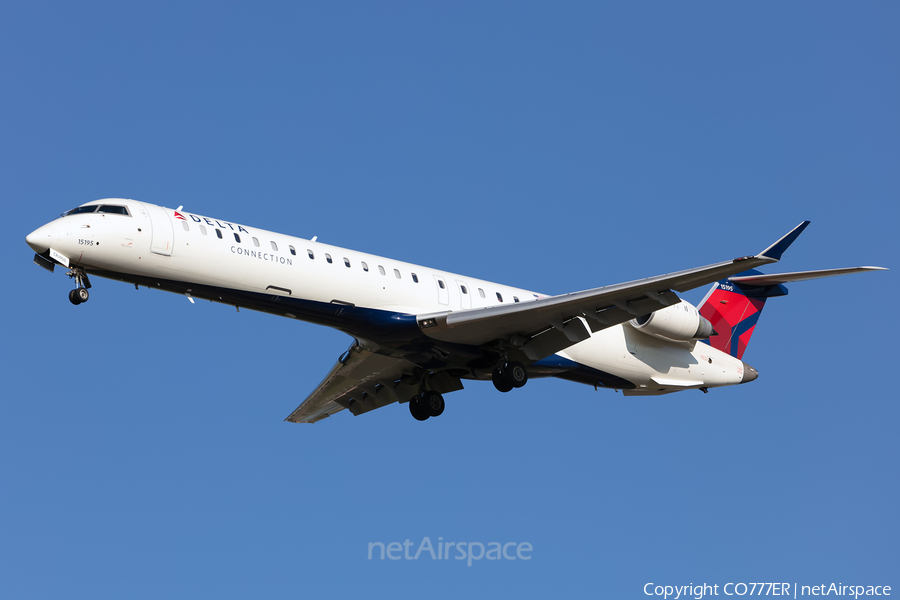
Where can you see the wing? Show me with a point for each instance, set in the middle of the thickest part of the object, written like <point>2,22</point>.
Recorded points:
<point>543,327</point>
<point>361,381</point>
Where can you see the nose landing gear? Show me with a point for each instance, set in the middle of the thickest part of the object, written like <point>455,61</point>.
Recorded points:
<point>80,294</point>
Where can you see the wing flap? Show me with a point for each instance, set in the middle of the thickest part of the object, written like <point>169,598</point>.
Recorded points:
<point>360,381</point>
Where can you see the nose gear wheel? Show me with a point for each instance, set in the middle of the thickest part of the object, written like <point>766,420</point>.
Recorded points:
<point>80,294</point>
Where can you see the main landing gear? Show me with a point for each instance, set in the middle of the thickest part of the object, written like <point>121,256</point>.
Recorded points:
<point>509,375</point>
<point>427,404</point>
<point>80,294</point>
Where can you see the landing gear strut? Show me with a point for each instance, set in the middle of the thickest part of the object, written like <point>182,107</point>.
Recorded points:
<point>427,404</point>
<point>509,375</point>
<point>80,294</point>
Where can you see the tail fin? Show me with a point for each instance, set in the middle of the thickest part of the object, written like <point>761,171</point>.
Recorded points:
<point>733,305</point>
<point>733,308</point>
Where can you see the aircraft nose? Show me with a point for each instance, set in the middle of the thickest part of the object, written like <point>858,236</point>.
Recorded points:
<point>39,239</point>
<point>749,373</point>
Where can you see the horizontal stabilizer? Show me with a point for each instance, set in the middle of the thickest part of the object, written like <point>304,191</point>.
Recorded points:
<point>779,278</point>
<point>733,305</point>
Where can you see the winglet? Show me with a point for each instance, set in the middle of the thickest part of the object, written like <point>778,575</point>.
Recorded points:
<point>775,251</point>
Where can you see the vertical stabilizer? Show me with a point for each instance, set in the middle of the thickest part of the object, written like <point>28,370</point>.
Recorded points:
<point>733,309</point>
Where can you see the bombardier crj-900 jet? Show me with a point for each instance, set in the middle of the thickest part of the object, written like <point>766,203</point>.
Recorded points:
<point>419,332</point>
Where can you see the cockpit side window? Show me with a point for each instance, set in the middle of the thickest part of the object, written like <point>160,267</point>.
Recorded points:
<point>114,210</point>
<point>81,210</point>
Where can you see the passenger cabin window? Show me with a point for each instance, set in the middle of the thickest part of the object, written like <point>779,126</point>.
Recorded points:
<point>328,258</point>
<point>440,284</point>
<point>481,292</point>
<point>311,254</point>
<point>464,290</point>
<point>256,242</point>
<point>186,226</point>
<point>415,279</point>
<point>274,246</point>
<point>81,210</point>
<point>346,262</point>
<point>397,273</point>
<point>381,269</point>
<point>499,297</point>
<point>218,234</point>
<point>294,252</point>
<point>237,238</point>
<point>113,210</point>
<point>365,266</point>
<point>203,230</point>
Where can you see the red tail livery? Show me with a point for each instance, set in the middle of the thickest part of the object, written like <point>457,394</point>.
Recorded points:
<point>733,309</point>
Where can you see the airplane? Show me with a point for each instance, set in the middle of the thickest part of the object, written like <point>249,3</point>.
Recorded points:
<point>420,332</point>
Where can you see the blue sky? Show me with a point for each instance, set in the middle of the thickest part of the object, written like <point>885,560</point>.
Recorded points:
<point>142,448</point>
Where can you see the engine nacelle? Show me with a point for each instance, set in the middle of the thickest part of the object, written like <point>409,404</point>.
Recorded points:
<point>680,323</point>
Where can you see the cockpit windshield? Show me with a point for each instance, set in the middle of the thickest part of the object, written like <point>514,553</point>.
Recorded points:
<point>116,210</point>
<point>81,209</point>
<point>103,208</point>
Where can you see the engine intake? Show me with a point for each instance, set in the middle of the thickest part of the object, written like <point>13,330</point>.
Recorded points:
<point>679,323</point>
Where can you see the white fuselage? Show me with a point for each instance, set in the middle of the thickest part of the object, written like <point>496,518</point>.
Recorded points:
<point>223,261</point>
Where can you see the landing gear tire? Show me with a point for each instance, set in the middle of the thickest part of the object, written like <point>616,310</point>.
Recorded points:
<point>425,405</point>
<point>418,409</point>
<point>500,382</point>
<point>509,376</point>
<point>433,403</point>
<point>516,374</point>
<point>78,296</point>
